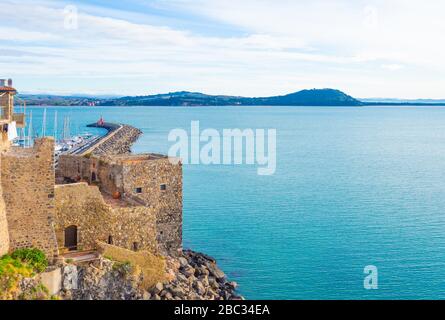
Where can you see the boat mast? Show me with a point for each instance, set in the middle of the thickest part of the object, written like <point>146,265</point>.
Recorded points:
<point>30,130</point>
<point>55,126</point>
<point>44,123</point>
<point>68,124</point>
<point>64,129</point>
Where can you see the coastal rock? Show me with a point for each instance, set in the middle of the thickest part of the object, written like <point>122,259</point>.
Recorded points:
<point>183,262</point>
<point>203,281</point>
<point>98,281</point>
<point>158,288</point>
<point>188,271</point>
<point>120,142</point>
<point>70,278</point>
<point>233,285</point>
<point>216,272</point>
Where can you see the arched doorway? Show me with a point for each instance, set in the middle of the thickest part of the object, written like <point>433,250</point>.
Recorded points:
<point>71,238</point>
<point>93,177</point>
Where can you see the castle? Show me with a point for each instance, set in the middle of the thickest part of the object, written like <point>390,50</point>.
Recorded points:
<point>130,201</point>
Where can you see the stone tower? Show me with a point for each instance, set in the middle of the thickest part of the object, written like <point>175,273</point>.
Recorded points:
<point>27,182</point>
<point>4,234</point>
<point>7,93</point>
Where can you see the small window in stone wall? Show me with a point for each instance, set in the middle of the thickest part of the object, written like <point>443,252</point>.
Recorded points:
<point>135,246</point>
<point>110,239</point>
<point>138,190</point>
<point>163,187</point>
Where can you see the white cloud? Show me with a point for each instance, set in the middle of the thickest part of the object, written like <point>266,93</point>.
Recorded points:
<point>280,46</point>
<point>392,67</point>
<point>16,34</point>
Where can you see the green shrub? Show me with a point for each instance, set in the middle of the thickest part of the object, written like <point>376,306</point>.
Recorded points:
<point>124,268</point>
<point>11,271</point>
<point>35,258</point>
<point>39,292</point>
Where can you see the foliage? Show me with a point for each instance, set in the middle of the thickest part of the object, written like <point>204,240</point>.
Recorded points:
<point>38,292</point>
<point>125,268</point>
<point>151,266</point>
<point>22,263</point>
<point>11,271</point>
<point>35,258</point>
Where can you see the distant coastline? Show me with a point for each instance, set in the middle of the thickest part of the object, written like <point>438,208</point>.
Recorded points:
<point>313,97</point>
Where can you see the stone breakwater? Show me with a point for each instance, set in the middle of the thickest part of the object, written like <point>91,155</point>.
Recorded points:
<point>193,276</point>
<point>118,140</point>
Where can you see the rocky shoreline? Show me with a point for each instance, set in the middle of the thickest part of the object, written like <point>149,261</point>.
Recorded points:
<point>197,277</point>
<point>192,276</point>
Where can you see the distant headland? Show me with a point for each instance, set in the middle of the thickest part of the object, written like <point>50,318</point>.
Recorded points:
<point>312,97</point>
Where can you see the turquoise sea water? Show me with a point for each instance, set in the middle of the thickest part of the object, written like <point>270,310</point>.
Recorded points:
<point>353,187</point>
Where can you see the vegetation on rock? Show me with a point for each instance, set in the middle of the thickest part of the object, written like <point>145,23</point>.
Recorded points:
<point>35,258</point>
<point>21,264</point>
<point>151,267</point>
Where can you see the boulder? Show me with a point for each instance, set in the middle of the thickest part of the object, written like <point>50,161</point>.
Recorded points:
<point>158,288</point>
<point>200,288</point>
<point>70,277</point>
<point>188,271</point>
<point>183,262</point>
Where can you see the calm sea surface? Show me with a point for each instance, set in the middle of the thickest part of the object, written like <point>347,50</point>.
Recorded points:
<point>353,187</point>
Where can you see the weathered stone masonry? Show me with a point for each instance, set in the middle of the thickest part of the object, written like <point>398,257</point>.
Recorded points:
<point>131,201</point>
<point>4,233</point>
<point>27,180</point>
<point>83,206</point>
<point>157,183</point>
<point>150,180</point>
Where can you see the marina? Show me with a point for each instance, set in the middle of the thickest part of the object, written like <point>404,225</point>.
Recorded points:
<point>65,143</point>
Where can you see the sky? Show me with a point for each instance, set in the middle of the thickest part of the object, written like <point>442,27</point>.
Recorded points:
<point>368,49</point>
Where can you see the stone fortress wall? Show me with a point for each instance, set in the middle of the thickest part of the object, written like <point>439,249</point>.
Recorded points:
<point>4,233</point>
<point>147,181</point>
<point>157,183</point>
<point>123,225</point>
<point>131,201</point>
<point>27,182</point>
